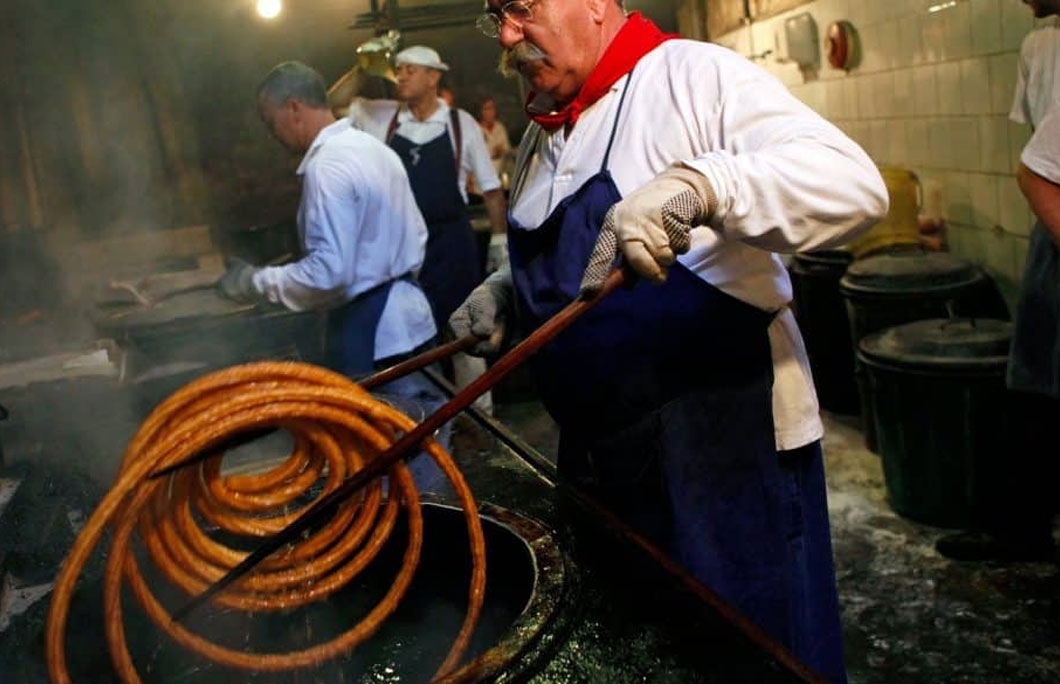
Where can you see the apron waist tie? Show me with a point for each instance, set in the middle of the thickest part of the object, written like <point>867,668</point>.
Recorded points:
<point>385,285</point>
<point>351,328</point>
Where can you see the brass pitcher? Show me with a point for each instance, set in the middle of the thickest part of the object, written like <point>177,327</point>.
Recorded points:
<point>898,230</point>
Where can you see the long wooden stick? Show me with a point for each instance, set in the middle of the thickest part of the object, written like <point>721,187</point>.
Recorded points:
<point>417,362</point>
<point>326,506</point>
<point>547,471</point>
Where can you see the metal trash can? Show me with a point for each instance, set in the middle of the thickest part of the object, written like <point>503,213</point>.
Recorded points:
<point>892,289</point>
<point>822,317</point>
<point>941,414</point>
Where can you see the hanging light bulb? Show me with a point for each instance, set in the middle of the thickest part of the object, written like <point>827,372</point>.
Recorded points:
<point>269,9</point>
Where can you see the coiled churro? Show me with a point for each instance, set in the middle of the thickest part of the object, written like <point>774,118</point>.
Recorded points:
<point>337,428</point>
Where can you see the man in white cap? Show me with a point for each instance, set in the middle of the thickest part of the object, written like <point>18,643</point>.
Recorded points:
<point>440,146</point>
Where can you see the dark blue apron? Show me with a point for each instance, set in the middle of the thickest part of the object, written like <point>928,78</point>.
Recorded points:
<point>351,330</point>
<point>1034,365</point>
<point>664,398</point>
<point>451,266</point>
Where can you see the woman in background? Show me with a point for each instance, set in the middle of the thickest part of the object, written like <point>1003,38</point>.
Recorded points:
<point>496,135</point>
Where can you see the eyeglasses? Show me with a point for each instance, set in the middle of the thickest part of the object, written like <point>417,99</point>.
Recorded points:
<point>515,12</point>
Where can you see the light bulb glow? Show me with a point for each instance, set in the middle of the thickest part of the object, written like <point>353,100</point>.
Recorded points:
<point>269,9</point>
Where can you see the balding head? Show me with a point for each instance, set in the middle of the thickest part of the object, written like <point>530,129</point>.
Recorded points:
<point>294,81</point>
<point>294,105</point>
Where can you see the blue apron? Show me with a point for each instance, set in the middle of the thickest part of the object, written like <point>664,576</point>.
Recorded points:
<point>351,328</point>
<point>1034,365</point>
<point>350,343</point>
<point>664,399</point>
<point>451,266</point>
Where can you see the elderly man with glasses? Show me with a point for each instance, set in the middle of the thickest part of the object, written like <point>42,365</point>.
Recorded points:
<point>685,402</point>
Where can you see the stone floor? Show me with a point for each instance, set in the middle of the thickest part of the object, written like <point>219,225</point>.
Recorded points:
<point>910,615</point>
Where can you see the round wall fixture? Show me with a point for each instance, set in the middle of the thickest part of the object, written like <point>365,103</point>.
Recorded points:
<point>841,45</point>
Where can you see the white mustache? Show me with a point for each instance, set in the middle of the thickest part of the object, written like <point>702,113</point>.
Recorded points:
<point>523,52</point>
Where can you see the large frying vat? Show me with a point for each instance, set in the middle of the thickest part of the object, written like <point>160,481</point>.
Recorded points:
<point>529,590</point>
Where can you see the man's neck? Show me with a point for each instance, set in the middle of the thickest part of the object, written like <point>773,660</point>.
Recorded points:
<point>424,107</point>
<point>318,120</point>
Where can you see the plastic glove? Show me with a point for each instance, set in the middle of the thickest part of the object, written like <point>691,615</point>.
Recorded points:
<point>497,255</point>
<point>484,311</point>
<point>651,226</point>
<point>237,283</point>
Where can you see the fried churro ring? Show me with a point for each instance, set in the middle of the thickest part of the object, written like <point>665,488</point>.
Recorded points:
<point>337,428</point>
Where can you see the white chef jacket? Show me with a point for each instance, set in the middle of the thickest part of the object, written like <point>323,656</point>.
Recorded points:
<point>374,117</point>
<point>1038,82</point>
<point>359,226</point>
<point>1042,153</point>
<point>786,180</point>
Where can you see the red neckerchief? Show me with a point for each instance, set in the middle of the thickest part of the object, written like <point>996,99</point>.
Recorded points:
<point>637,37</point>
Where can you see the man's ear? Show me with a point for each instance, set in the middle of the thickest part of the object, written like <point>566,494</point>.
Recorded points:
<point>435,76</point>
<point>598,9</point>
<point>295,109</point>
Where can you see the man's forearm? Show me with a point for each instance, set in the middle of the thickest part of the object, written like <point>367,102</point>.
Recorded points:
<point>497,209</point>
<point>1044,198</point>
<point>342,91</point>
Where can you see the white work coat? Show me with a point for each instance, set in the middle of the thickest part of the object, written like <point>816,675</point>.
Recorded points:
<point>1042,153</point>
<point>1038,80</point>
<point>786,180</point>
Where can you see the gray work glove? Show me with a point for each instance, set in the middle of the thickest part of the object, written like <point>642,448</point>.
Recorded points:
<point>497,256</point>
<point>237,283</point>
<point>484,312</point>
<point>651,226</point>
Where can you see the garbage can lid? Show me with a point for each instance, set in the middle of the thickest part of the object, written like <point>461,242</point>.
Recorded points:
<point>909,273</point>
<point>825,256</point>
<point>830,261</point>
<point>940,343</point>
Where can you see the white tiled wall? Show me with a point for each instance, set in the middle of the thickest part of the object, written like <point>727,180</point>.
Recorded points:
<point>932,93</point>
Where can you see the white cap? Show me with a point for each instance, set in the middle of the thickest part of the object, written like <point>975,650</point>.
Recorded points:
<point>422,55</point>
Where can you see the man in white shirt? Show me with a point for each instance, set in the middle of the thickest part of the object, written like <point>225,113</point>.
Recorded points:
<point>1016,522</point>
<point>1038,79</point>
<point>686,406</point>
<point>1035,366</point>
<point>440,147</point>
<point>362,234</point>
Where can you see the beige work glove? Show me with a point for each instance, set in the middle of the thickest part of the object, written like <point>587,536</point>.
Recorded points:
<point>484,312</point>
<point>651,226</point>
<point>497,255</point>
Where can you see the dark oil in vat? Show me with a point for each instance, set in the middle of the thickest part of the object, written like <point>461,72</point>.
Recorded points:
<point>409,646</point>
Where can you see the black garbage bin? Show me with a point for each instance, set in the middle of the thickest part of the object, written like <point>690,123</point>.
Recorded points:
<point>892,289</point>
<point>3,417</point>
<point>822,317</point>
<point>941,414</point>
